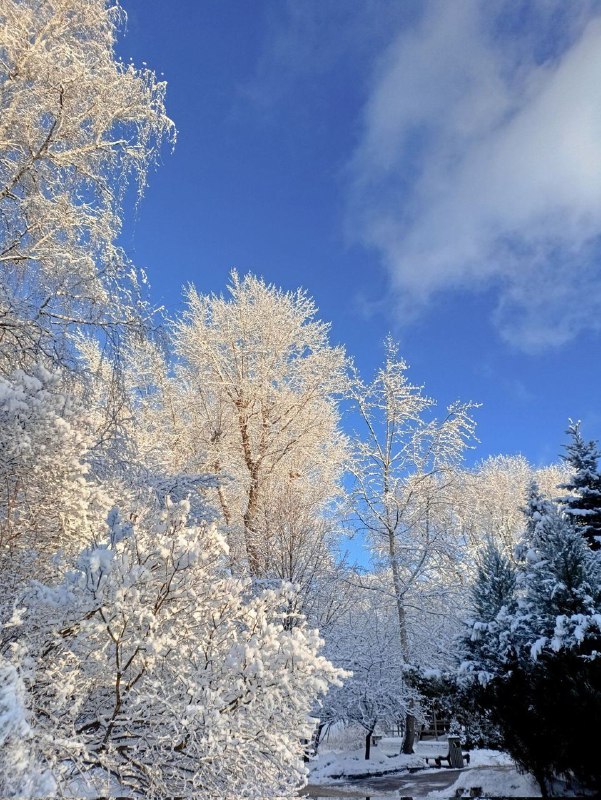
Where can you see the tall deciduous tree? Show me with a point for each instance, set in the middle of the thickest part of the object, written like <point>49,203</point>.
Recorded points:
<point>404,461</point>
<point>258,379</point>
<point>140,665</point>
<point>75,125</point>
<point>487,500</point>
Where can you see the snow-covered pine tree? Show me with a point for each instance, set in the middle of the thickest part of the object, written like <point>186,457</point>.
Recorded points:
<point>583,503</point>
<point>536,509</point>
<point>485,649</point>
<point>495,583</point>
<point>537,660</point>
<point>559,582</point>
<point>558,625</point>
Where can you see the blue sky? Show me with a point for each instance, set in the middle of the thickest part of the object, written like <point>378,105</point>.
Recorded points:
<point>432,169</point>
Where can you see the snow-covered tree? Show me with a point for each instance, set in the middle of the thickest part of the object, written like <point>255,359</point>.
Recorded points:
<point>486,649</point>
<point>140,665</point>
<point>559,583</point>
<point>21,772</point>
<point>150,670</point>
<point>495,583</point>
<point>365,641</point>
<point>537,659</point>
<point>583,503</point>
<point>487,500</point>
<point>403,464</point>
<point>48,500</point>
<point>75,125</point>
<point>257,382</point>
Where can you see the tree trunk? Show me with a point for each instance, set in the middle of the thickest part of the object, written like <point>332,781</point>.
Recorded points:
<point>541,780</point>
<point>250,527</point>
<point>409,738</point>
<point>368,744</point>
<point>252,498</point>
<point>317,737</point>
<point>410,722</point>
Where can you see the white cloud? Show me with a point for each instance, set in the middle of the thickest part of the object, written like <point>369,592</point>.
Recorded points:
<point>479,164</point>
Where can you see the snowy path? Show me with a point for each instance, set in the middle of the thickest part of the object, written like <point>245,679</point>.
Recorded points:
<point>496,781</point>
<point>415,785</point>
<point>489,770</point>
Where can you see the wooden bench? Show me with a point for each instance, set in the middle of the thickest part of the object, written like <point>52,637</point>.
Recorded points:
<point>376,739</point>
<point>455,757</point>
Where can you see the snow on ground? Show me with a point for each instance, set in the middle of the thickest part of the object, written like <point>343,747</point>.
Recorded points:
<point>491,771</point>
<point>492,782</point>
<point>331,764</point>
<point>490,758</point>
<point>478,758</point>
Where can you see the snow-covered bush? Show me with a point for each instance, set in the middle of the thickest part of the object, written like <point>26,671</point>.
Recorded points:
<point>20,772</point>
<point>150,666</point>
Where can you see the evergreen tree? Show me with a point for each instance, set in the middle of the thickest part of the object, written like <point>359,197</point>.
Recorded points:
<point>536,658</point>
<point>495,583</point>
<point>557,625</point>
<point>536,510</point>
<point>583,503</point>
<point>485,650</point>
<point>560,584</point>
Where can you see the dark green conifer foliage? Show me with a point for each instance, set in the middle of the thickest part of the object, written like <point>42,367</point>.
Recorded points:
<point>495,584</point>
<point>537,661</point>
<point>583,504</point>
